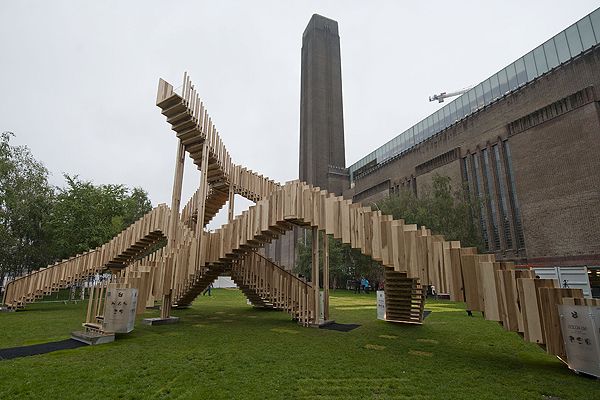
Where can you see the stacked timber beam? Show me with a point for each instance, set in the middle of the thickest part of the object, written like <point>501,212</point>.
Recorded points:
<point>387,241</point>
<point>412,256</point>
<point>404,298</point>
<point>517,300</point>
<point>268,285</point>
<point>193,126</point>
<point>115,254</point>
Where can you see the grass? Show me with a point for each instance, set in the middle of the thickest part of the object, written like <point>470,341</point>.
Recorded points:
<point>224,349</point>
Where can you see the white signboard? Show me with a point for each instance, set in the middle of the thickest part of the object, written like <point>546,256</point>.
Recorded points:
<point>581,333</point>
<point>381,305</point>
<point>321,307</point>
<point>119,310</point>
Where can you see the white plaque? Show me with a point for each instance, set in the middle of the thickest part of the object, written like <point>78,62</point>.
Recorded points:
<point>321,307</point>
<point>119,309</point>
<point>381,305</point>
<point>581,333</point>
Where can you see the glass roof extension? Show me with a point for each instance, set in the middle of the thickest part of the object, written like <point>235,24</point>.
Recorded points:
<point>569,43</point>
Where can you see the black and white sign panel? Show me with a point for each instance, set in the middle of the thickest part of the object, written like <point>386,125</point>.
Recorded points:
<point>581,333</point>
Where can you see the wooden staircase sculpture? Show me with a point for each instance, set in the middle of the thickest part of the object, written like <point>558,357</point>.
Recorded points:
<point>411,256</point>
<point>116,254</point>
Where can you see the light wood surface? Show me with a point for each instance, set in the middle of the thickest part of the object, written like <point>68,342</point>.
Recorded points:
<point>412,257</point>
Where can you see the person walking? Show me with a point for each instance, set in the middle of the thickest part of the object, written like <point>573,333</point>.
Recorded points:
<point>207,290</point>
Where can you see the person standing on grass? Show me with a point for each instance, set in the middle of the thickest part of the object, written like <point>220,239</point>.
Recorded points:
<point>207,290</point>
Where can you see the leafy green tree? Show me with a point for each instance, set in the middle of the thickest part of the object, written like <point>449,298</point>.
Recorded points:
<point>25,201</point>
<point>345,263</point>
<point>40,224</point>
<point>440,209</point>
<point>85,215</point>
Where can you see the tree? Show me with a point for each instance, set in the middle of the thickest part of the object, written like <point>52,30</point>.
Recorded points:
<point>25,199</point>
<point>40,224</point>
<point>345,263</point>
<point>440,209</point>
<point>85,216</point>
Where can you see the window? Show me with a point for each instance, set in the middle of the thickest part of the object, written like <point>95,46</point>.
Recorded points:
<point>574,40</point>
<point>436,121</point>
<point>410,140</point>
<point>503,193</point>
<point>491,197</point>
<point>429,131</point>
<point>480,198</point>
<point>462,106</point>
<point>419,133</point>
<point>472,106</point>
<point>530,66</point>
<point>487,91</point>
<point>503,79</point>
<point>513,197</point>
<point>458,114</point>
<point>562,48</point>
<point>551,55</point>
<point>495,86</point>
<point>512,77</point>
<point>479,95</point>
<point>452,109</point>
<point>586,32</point>
<point>446,111</point>
<point>540,60</point>
<point>521,72</point>
<point>465,174</point>
<point>595,19</point>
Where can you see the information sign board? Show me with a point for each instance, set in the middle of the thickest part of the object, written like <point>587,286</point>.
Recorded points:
<point>581,334</point>
<point>381,305</point>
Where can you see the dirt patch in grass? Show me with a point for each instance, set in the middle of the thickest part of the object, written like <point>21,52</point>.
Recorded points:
<point>374,347</point>
<point>388,336</point>
<point>420,353</point>
<point>430,341</point>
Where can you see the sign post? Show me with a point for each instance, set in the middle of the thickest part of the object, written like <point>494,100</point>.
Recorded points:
<point>381,305</point>
<point>581,333</point>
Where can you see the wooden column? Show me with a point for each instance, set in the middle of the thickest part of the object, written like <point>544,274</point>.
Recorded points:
<point>165,311</point>
<point>203,189</point>
<point>325,277</point>
<point>202,200</point>
<point>315,272</point>
<point>231,203</point>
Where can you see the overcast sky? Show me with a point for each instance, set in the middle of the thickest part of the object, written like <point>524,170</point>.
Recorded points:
<point>78,78</point>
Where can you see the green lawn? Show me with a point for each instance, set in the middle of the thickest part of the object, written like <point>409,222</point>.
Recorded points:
<point>223,348</point>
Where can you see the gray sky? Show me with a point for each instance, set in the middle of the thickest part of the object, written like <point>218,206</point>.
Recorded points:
<point>79,78</point>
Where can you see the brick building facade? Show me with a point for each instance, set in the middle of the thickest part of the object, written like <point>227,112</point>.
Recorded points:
<point>531,153</point>
<point>525,141</point>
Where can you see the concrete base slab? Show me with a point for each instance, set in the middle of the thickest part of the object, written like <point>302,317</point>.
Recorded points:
<point>160,321</point>
<point>6,309</point>
<point>92,338</point>
<point>322,323</point>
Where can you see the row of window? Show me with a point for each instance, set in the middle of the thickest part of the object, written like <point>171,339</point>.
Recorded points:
<point>577,38</point>
<point>490,179</point>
